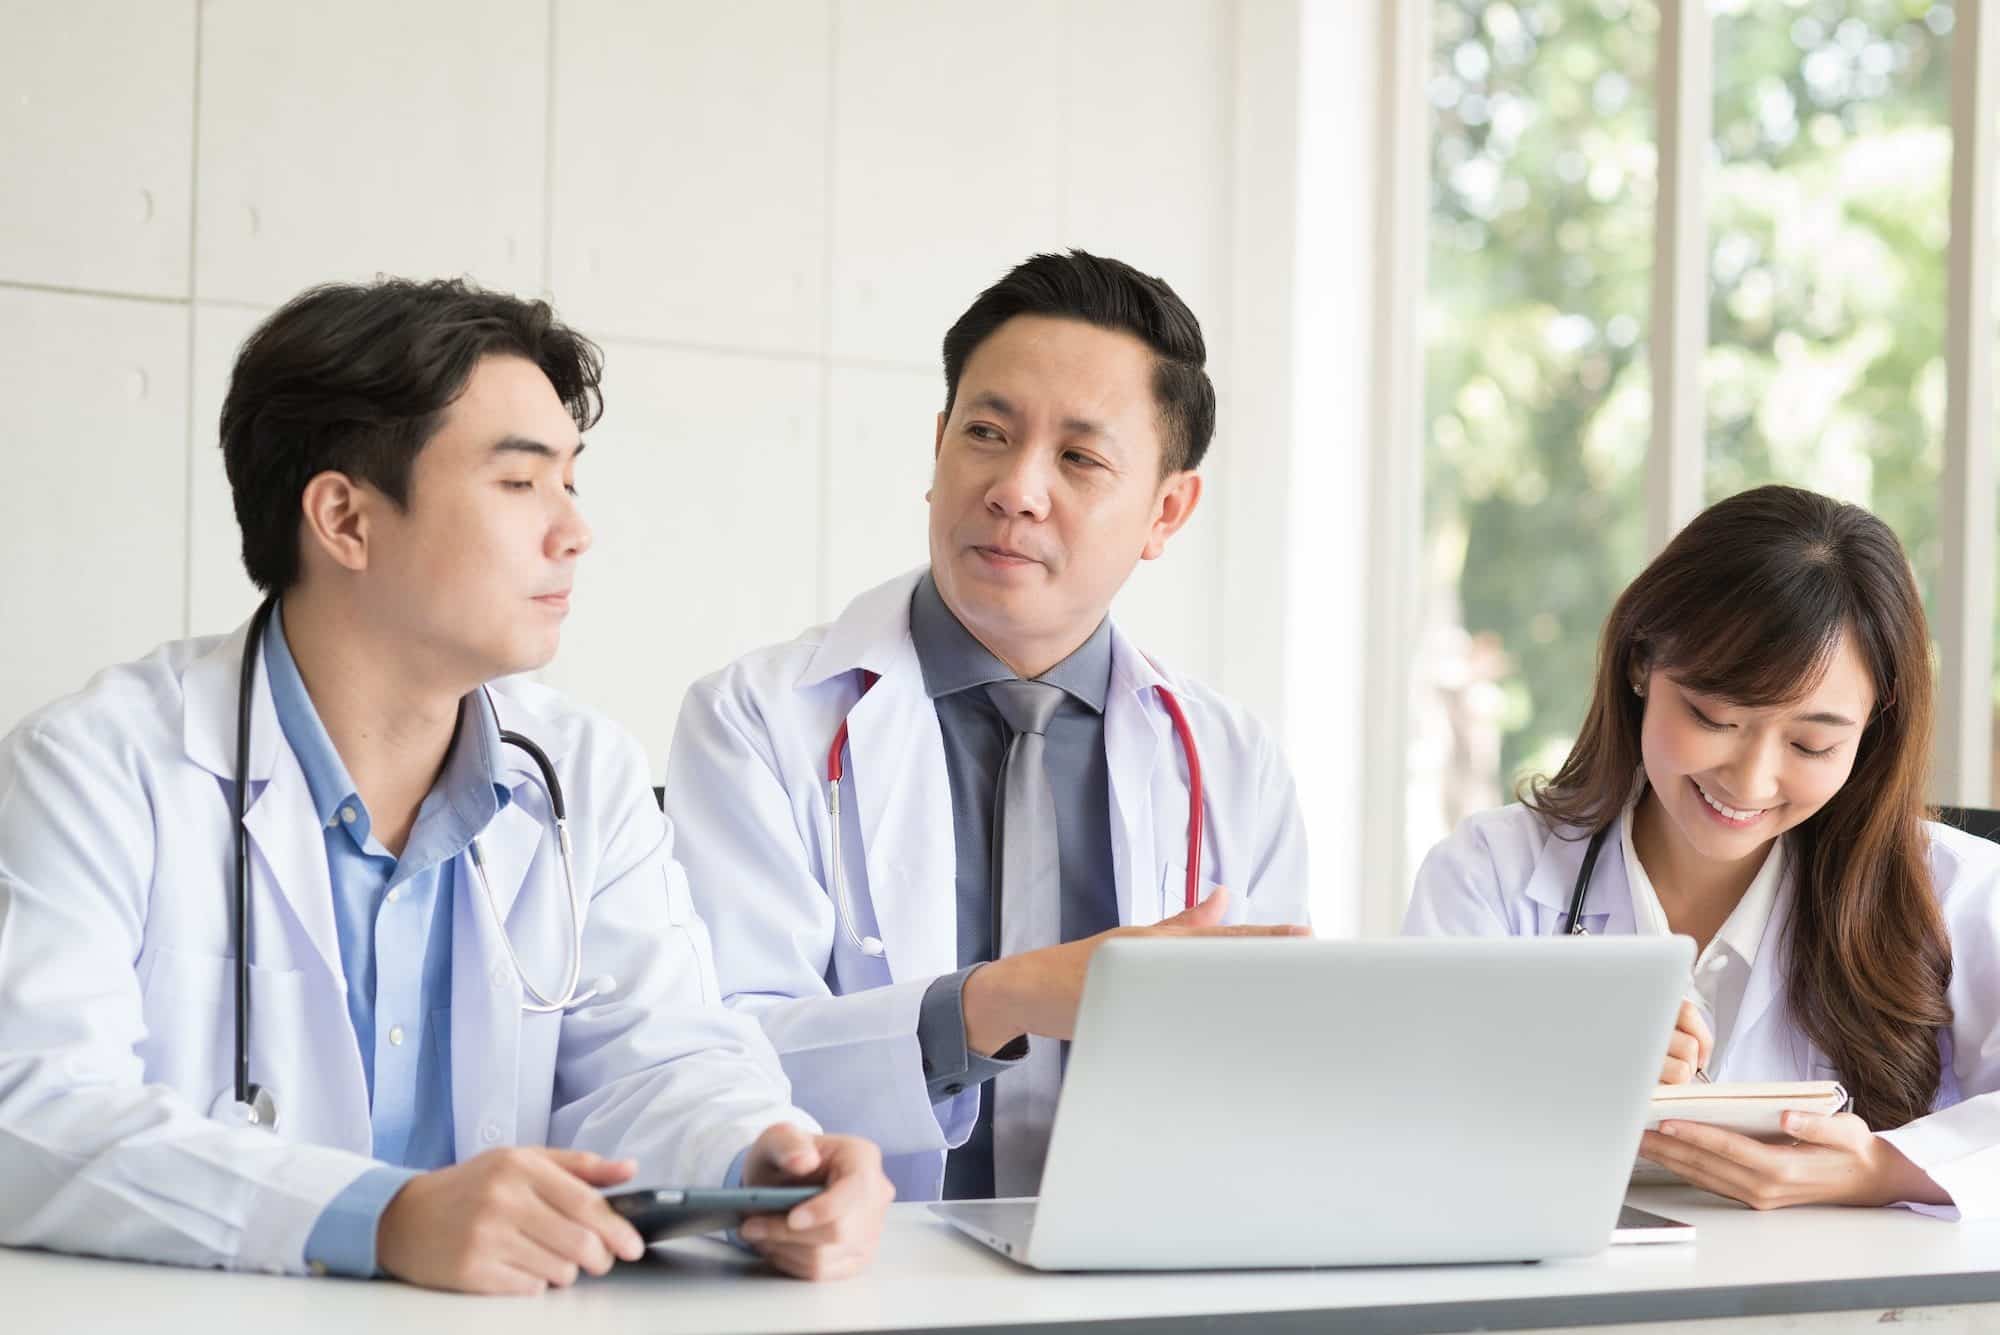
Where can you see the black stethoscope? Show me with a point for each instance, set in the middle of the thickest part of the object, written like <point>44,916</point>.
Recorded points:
<point>254,1102</point>
<point>1582,890</point>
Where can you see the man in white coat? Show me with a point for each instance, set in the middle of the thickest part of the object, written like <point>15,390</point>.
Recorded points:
<point>460,1022</point>
<point>908,830</point>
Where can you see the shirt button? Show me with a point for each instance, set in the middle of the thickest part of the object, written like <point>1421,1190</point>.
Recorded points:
<point>347,814</point>
<point>489,1134</point>
<point>396,1036</point>
<point>394,895</point>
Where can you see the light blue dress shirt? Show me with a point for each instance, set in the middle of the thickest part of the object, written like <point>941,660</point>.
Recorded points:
<point>392,917</point>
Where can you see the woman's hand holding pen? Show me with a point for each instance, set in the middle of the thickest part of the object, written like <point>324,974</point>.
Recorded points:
<point>1689,1049</point>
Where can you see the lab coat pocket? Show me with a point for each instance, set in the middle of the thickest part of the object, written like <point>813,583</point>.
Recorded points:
<point>190,1010</point>
<point>1173,894</point>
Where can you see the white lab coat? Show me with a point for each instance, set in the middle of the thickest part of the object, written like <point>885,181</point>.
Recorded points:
<point>117,977</point>
<point>746,787</point>
<point>1502,873</point>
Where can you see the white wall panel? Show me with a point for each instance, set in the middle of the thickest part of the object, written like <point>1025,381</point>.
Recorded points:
<point>339,141</point>
<point>96,133</point>
<point>94,512</point>
<point>690,170</point>
<point>883,434</point>
<point>219,595</point>
<point>948,162</point>
<point>1147,143</point>
<point>828,182</point>
<point>702,487</point>
<point>1168,607</point>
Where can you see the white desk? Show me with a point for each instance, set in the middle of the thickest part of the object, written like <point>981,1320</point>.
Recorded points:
<point>1793,1262</point>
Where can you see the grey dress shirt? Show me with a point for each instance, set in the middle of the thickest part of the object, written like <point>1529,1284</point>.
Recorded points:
<point>956,666</point>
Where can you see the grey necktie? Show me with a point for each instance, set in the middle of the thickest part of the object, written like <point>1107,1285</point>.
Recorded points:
<point>1027,887</point>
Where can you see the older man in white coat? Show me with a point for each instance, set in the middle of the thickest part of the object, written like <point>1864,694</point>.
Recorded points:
<point>908,830</point>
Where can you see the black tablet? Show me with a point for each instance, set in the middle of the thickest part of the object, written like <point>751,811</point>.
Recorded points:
<point>672,1212</point>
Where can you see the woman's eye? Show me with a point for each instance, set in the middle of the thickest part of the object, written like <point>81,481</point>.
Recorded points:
<point>517,484</point>
<point>1705,721</point>
<point>1820,754</point>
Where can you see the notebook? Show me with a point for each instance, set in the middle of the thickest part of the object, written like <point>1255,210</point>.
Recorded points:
<point>1749,1108</point>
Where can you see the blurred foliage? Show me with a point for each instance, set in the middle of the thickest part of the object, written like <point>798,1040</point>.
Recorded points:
<point>1827,201</point>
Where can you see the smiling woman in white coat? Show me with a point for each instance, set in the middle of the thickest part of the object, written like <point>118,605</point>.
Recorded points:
<point>458,1016</point>
<point>1751,773</point>
<point>974,764</point>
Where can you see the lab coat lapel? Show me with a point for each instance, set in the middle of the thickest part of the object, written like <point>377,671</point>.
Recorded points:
<point>1136,742</point>
<point>1607,908</point>
<point>902,796</point>
<point>508,844</point>
<point>486,993</point>
<point>896,783</point>
<point>288,850</point>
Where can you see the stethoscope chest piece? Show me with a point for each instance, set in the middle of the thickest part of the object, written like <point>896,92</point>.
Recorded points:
<point>261,1111</point>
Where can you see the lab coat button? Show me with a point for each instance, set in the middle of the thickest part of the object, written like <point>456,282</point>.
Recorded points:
<point>489,1134</point>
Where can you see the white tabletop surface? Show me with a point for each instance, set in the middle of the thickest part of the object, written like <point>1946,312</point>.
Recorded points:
<point>1743,1263</point>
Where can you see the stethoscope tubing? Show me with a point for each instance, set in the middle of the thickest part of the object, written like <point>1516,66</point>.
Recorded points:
<point>1581,890</point>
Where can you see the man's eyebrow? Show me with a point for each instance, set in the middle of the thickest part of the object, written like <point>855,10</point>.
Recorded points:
<point>522,445</point>
<point>1000,404</point>
<point>992,402</point>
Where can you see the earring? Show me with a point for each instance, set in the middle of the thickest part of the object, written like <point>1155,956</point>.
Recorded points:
<point>1638,690</point>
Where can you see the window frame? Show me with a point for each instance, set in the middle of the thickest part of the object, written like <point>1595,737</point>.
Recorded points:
<point>1676,448</point>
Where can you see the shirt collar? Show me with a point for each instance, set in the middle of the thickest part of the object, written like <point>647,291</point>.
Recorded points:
<point>472,783</point>
<point>954,660</point>
<point>1743,930</point>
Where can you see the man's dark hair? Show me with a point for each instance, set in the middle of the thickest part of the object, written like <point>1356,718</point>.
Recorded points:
<point>1111,295</point>
<point>355,378</point>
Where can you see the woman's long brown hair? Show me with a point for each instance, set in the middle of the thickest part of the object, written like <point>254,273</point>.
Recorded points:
<point>1748,603</point>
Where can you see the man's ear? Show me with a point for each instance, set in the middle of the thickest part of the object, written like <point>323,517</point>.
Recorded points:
<point>335,513</point>
<point>1180,493</point>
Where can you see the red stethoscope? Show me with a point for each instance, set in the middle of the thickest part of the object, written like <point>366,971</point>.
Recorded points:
<point>872,945</point>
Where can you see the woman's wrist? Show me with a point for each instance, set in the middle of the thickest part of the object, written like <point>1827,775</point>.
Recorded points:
<point>1898,1179</point>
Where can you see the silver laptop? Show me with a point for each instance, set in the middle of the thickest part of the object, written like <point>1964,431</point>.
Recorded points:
<point>1242,1103</point>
